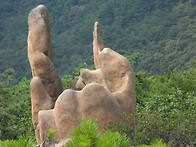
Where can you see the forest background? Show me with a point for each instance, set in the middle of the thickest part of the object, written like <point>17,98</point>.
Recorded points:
<point>163,33</point>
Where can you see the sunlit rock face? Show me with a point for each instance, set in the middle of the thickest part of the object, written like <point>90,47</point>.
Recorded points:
<point>118,72</point>
<point>103,94</point>
<point>46,85</point>
<point>40,51</point>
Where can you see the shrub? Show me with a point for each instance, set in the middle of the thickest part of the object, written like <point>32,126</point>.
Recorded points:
<point>21,142</point>
<point>86,135</point>
<point>50,134</point>
<point>155,143</point>
<point>166,108</point>
<point>122,126</point>
<point>177,129</point>
<point>15,108</point>
<point>110,139</point>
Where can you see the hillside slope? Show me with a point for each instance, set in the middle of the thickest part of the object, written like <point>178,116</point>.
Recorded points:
<point>162,32</point>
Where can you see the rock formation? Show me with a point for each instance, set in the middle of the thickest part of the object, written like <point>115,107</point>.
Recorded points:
<point>118,72</point>
<point>40,51</point>
<point>46,85</point>
<point>102,94</point>
<point>93,101</point>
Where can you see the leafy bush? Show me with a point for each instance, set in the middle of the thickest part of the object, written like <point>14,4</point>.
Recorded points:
<point>155,143</point>
<point>122,126</point>
<point>50,134</point>
<point>15,108</point>
<point>21,142</point>
<point>163,32</point>
<point>166,108</point>
<point>109,139</point>
<point>86,135</point>
<point>176,129</point>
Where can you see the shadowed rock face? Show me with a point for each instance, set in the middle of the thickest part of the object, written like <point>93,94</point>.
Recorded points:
<point>102,94</point>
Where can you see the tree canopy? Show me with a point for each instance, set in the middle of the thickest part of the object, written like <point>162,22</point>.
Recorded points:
<point>162,32</point>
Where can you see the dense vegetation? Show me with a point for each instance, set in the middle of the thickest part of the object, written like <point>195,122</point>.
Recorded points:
<point>166,107</point>
<point>21,142</point>
<point>86,135</point>
<point>162,32</point>
<point>15,107</point>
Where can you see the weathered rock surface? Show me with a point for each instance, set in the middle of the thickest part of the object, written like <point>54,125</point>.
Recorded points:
<point>118,72</point>
<point>40,51</point>
<point>102,94</point>
<point>46,85</point>
<point>40,100</point>
<point>92,102</point>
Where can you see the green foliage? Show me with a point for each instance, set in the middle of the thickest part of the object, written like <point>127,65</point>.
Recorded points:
<point>142,84</point>
<point>21,142</point>
<point>84,135</point>
<point>7,76</point>
<point>50,134</point>
<point>162,32</point>
<point>122,126</point>
<point>15,108</point>
<point>155,143</point>
<point>133,58</point>
<point>167,93</point>
<point>112,139</point>
<point>165,109</point>
<point>77,69</point>
<point>158,143</point>
<point>67,81</point>
<point>176,129</point>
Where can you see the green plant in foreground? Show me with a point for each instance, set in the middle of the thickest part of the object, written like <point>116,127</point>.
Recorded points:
<point>50,134</point>
<point>21,142</point>
<point>155,143</point>
<point>110,139</point>
<point>84,135</point>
